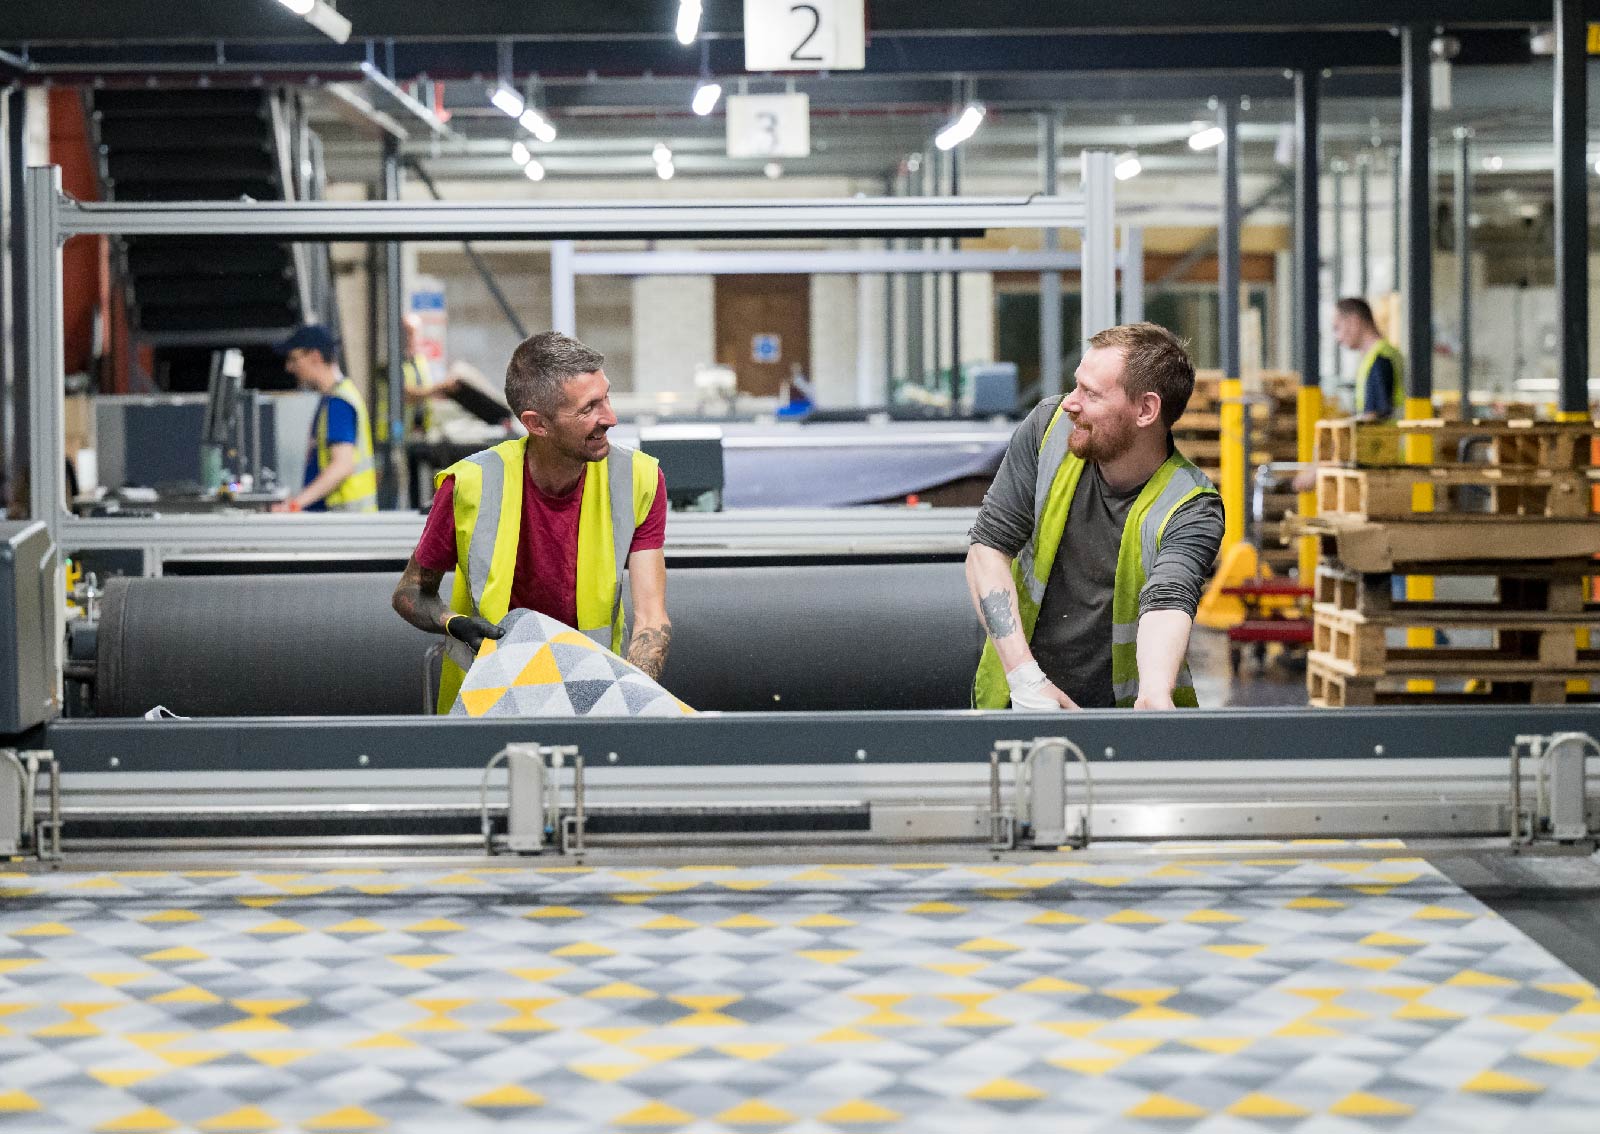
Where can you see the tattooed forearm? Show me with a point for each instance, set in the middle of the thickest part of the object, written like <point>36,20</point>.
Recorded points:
<point>647,649</point>
<point>416,598</point>
<point>997,616</point>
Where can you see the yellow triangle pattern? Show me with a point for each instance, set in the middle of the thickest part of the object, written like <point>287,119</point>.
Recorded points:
<point>754,1112</point>
<point>1005,1090</point>
<point>139,1122</point>
<point>345,1118</point>
<point>859,1112</point>
<point>1258,1105</point>
<point>1498,1082</point>
<point>1360,1104</point>
<point>245,1120</point>
<point>506,1098</point>
<point>1165,1106</point>
<point>541,669</point>
<point>654,1114</point>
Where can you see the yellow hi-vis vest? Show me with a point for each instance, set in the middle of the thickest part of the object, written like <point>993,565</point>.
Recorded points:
<point>415,374</point>
<point>1383,348</point>
<point>1174,484</point>
<point>357,492</point>
<point>488,516</point>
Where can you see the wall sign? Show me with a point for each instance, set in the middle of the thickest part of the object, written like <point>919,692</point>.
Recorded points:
<point>805,35</point>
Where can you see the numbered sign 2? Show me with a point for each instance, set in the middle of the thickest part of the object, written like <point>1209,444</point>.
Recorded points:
<point>805,35</point>
<point>767,126</point>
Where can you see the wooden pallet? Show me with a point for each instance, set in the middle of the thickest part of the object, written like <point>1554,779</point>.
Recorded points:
<point>1366,545</point>
<point>1506,444</point>
<point>1557,587</point>
<point>1453,492</point>
<point>1524,647</point>
<point>1327,687</point>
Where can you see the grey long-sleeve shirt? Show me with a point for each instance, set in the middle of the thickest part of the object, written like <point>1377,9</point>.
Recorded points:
<point>1072,640</point>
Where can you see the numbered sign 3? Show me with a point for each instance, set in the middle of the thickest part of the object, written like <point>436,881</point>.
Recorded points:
<point>805,35</point>
<point>763,126</point>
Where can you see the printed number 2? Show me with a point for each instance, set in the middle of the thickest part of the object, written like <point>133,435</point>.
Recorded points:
<point>816,26</point>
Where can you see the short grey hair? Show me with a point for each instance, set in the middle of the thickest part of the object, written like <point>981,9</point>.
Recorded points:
<point>541,365</point>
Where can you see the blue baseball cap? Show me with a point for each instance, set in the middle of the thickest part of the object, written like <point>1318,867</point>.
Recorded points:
<point>312,336</point>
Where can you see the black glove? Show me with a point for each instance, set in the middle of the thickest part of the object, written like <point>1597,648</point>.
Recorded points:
<point>472,630</point>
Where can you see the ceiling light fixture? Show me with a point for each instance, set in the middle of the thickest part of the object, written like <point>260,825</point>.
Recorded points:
<point>320,15</point>
<point>534,170</point>
<point>662,156</point>
<point>520,153</point>
<point>1128,166</point>
<point>506,100</point>
<point>1208,139</point>
<point>1494,163</point>
<point>962,128</point>
<point>537,125</point>
<point>773,170</point>
<point>705,97</point>
<point>688,25</point>
<point>665,170</point>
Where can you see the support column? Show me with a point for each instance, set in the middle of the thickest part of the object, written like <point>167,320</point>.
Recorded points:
<point>1336,172</point>
<point>1132,274</point>
<point>1364,225</point>
<point>563,288</point>
<point>1050,382</point>
<point>1463,219</point>
<point>1572,211</point>
<point>1307,260</point>
<point>15,437</point>
<point>1417,292</point>
<point>1395,210</point>
<point>390,487</point>
<point>1099,269</point>
<point>916,356</point>
<point>955,290</point>
<point>1235,456</point>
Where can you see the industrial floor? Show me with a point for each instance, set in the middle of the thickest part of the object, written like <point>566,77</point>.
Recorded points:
<point>1280,680</point>
<point>1195,991</point>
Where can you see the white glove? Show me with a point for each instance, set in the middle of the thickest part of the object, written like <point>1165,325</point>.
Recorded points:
<point>1026,681</point>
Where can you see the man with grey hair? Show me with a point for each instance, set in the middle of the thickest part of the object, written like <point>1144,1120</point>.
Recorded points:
<point>548,522</point>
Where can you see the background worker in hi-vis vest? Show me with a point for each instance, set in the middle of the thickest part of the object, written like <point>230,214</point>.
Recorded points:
<point>1090,552</point>
<point>1380,375</point>
<point>547,522</point>
<point>340,476</point>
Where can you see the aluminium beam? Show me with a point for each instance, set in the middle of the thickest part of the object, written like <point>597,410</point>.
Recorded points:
<point>816,262</point>
<point>555,220</point>
<point>1131,258</point>
<point>818,740</point>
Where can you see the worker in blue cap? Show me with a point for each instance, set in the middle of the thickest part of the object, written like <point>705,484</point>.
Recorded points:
<point>340,476</point>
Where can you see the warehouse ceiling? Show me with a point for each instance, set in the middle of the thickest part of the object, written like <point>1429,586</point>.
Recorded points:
<point>615,82</point>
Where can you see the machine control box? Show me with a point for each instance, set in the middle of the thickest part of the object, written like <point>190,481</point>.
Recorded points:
<point>28,594</point>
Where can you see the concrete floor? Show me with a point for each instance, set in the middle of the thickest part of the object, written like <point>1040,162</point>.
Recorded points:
<point>1282,681</point>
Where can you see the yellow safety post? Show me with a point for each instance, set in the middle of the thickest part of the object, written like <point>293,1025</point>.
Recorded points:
<point>1232,462</point>
<point>1418,450</point>
<point>1308,411</point>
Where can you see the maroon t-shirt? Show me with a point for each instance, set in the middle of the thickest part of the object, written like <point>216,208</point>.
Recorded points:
<point>547,554</point>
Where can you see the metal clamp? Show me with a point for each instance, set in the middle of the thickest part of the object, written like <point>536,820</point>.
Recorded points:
<point>23,829</point>
<point>1560,808</point>
<point>1044,793</point>
<point>533,798</point>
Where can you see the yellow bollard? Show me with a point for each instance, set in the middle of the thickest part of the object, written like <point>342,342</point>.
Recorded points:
<point>1308,411</point>
<point>1232,462</point>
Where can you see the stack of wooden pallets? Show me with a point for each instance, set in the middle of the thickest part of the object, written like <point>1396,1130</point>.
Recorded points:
<point>1198,435</point>
<point>1500,530</point>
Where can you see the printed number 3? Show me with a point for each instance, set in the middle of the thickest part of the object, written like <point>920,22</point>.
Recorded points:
<point>816,26</point>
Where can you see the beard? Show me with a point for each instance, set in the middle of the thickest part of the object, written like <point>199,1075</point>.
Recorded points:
<point>1101,443</point>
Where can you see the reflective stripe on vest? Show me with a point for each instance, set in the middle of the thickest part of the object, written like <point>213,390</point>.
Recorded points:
<point>488,522</point>
<point>1174,484</point>
<point>1383,348</point>
<point>357,492</point>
